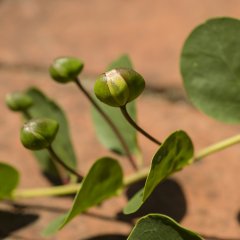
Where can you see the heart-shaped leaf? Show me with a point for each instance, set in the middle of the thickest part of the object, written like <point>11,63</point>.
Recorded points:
<point>104,180</point>
<point>174,154</point>
<point>9,178</point>
<point>160,227</point>
<point>105,133</point>
<point>210,67</point>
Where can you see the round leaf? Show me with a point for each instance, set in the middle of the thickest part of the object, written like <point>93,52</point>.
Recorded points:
<point>210,66</point>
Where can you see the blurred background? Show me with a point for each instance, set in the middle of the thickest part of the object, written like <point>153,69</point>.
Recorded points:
<point>152,33</point>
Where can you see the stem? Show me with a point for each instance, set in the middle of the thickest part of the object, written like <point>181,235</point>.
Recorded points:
<point>110,123</point>
<point>134,124</point>
<point>129,180</point>
<point>70,188</point>
<point>63,164</point>
<point>46,192</point>
<point>26,114</point>
<point>217,147</point>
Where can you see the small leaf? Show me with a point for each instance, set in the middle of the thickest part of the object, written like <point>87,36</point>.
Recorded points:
<point>104,180</point>
<point>172,156</point>
<point>210,67</point>
<point>134,203</point>
<point>9,178</point>
<point>122,62</point>
<point>44,107</point>
<point>175,153</point>
<point>53,226</point>
<point>104,133</point>
<point>160,227</point>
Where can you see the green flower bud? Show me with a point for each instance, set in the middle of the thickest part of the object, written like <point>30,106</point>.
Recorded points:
<point>18,101</point>
<point>65,69</point>
<point>119,86</point>
<point>38,134</point>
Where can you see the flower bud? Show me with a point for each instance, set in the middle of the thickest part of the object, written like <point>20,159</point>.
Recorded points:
<point>65,69</point>
<point>18,101</point>
<point>38,134</point>
<point>119,86</point>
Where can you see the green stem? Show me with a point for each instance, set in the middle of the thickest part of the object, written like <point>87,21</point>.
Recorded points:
<point>110,123</point>
<point>63,164</point>
<point>134,124</point>
<point>129,180</point>
<point>217,147</point>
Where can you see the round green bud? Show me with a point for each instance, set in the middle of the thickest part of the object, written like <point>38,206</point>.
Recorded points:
<point>119,86</point>
<point>18,101</point>
<point>65,69</point>
<point>38,134</point>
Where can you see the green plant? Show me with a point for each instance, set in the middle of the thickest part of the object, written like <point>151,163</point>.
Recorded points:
<point>210,66</point>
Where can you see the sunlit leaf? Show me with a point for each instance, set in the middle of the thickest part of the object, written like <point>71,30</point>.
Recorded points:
<point>210,66</point>
<point>9,178</point>
<point>175,153</point>
<point>104,180</point>
<point>160,227</point>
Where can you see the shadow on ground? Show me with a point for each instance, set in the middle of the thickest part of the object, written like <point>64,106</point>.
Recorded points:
<point>11,222</point>
<point>108,237</point>
<point>168,198</point>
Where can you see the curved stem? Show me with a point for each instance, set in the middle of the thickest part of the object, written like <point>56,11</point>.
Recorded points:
<point>110,123</point>
<point>129,180</point>
<point>64,165</point>
<point>134,124</point>
<point>217,147</point>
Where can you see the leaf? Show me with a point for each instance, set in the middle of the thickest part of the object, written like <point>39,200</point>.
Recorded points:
<point>104,180</point>
<point>210,67</point>
<point>44,107</point>
<point>104,133</point>
<point>9,178</point>
<point>122,62</point>
<point>160,227</point>
<point>134,203</point>
<point>175,153</point>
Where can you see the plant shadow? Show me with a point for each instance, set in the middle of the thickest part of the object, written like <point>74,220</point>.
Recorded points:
<point>11,222</point>
<point>168,198</point>
<point>108,237</point>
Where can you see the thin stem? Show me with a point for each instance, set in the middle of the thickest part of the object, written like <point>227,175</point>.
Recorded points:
<point>46,192</point>
<point>64,165</point>
<point>71,188</point>
<point>26,114</point>
<point>217,147</point>
<point>110,123</point>
<point>129,180</point>
<point>134,124</point>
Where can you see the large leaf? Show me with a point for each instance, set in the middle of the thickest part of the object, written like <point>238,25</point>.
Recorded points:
<point>175,153</point>
<point>104,180</point>
<point>105,133</point>
<point>210,66</point>
<point>161,227</point>
<point>44,107</point>
<point>9,178</point>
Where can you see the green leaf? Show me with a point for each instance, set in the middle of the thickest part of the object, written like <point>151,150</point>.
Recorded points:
<point>122,62</point>
<point>104,133</point>
<point>134,203</point>
<point>175,153</point>
<point>44,107</point>
<point>210,67</point>
<point>9,178</point>
<point>104,180</point>
<point>161,227</point>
